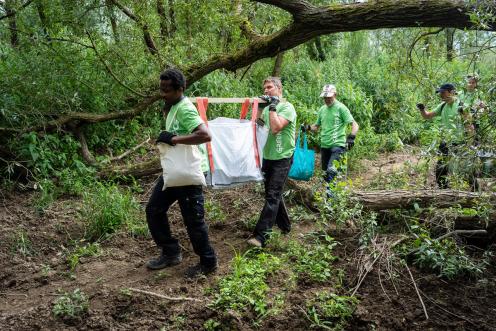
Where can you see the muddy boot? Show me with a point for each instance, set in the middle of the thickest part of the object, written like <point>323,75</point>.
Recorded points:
<point>164,261</point>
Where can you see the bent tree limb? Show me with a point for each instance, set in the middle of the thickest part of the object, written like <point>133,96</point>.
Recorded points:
<point>310,21</point>
<point>89,117</point>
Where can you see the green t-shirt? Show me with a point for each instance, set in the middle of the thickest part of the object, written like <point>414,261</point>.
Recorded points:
<point>469,99</point>
<point>281,145</point>
<point>182,119</point>
<point>452,128</point>
<point>333,121</point>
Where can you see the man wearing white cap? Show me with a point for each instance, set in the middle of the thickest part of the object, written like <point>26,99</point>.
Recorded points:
<point>333,120</point>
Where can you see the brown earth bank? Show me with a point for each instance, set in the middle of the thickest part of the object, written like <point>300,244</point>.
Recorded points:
<point>30,283</point>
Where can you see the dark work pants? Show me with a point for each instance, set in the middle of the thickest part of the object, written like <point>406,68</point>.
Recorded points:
<point>328,156</point>
<point>442,168</point>
<point>275,174</point>
<point>190,199</point>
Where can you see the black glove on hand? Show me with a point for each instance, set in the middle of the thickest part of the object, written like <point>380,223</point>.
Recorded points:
<point>274,101</point>
<point>166,137</point>
<point>350,141</point>
<point>265,98</point>
<point>420,106</point>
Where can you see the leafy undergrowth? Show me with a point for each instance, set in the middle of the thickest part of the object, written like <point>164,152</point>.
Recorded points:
<point>342,267</point>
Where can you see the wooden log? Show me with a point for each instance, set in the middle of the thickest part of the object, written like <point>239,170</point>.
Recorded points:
<point>394,199</point>
<point>136,170</point>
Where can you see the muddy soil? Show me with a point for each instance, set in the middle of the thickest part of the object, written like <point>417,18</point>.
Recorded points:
<point>31,282</point>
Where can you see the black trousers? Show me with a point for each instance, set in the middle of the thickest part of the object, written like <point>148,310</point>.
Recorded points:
<point>191,203</point>
<point>328,156</point>
<point>275,174</point>
<point>442,166</point>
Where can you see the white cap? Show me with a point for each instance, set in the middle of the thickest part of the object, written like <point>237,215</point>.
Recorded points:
<point>328,91</point>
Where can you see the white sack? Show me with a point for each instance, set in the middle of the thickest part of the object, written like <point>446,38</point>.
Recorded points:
<point>181,165</point>
<point>233,152</point>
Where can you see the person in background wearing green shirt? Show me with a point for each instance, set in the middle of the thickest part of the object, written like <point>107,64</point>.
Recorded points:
<point>185,127</point>
<point>280,117</point>
<point>455,120</point>
<point>333,120</point>
<point>472,98</point>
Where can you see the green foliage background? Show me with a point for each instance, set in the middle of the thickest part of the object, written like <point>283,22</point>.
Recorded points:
<point>73,61</point>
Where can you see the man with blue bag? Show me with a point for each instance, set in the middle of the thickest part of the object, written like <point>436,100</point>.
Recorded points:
<point>280,118</point>
<point>333,120</point>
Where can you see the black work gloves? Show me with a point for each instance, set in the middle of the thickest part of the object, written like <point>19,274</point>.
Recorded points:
<point>166,137</point>
<point>350,141</point>
<point>420,106</point>
<point>272,101</point>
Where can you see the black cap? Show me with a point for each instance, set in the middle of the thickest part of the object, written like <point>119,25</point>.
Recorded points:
<point>445,87</point>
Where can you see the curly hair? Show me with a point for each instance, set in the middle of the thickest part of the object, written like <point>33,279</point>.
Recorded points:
<point>175,76</point>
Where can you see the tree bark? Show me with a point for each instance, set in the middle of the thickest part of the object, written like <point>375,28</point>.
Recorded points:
<point>113,21</point>
<point>10,13</point>
<point>164,31</point>
<point>43,18</point>
<point>85,152</point>
<point>396,199</point>
<point>276,72</point>
<point>135,170</point>
<point>401,199</point>
<point>450,33</point>
<point>172,18</point>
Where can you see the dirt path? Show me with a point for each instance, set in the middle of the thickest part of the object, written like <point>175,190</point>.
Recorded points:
<point>30,284</point>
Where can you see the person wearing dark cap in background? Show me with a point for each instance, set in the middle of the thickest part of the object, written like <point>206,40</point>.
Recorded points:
<point>456,121</point>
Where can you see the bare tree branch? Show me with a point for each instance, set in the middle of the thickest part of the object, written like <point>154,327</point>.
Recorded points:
<point>150,44</point>
<point>109,70</point>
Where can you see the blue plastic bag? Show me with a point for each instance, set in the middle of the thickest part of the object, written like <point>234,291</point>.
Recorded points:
<point>303,160</point>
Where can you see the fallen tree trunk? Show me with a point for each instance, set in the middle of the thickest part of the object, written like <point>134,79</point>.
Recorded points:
<point>136,170</point>
<point>394,199</point>
<point>404,199</point>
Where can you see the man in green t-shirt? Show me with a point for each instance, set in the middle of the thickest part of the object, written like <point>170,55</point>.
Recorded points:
<point>280,118</point>
<point>472,97</point>
<point>184,127</point>
<point>455,120</point>
<point>333,120</point>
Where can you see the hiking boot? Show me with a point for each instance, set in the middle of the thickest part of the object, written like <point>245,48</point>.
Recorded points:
<point>164,261</point>
<point>254,242</point>
<point>200,270</point>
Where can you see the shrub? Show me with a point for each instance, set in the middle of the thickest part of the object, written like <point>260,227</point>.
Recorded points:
<point>107,209</point>
<point>71,305</point>
<point>330,311</point>
<point>246,287</point>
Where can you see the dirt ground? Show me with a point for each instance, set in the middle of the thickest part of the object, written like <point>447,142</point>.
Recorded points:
<point>30,284</point>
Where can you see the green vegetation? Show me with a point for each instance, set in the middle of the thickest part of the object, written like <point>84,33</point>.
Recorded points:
<point>91,249</point>
<point>78,103</point>
<point>246,289</point>
<point>106,209</point>
<point>330,311</point>
<point>22,244</point>
<point>214,213</point>
<point>71,305</point>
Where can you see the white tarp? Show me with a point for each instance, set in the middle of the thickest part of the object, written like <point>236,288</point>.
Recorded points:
<point>233,151</point>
